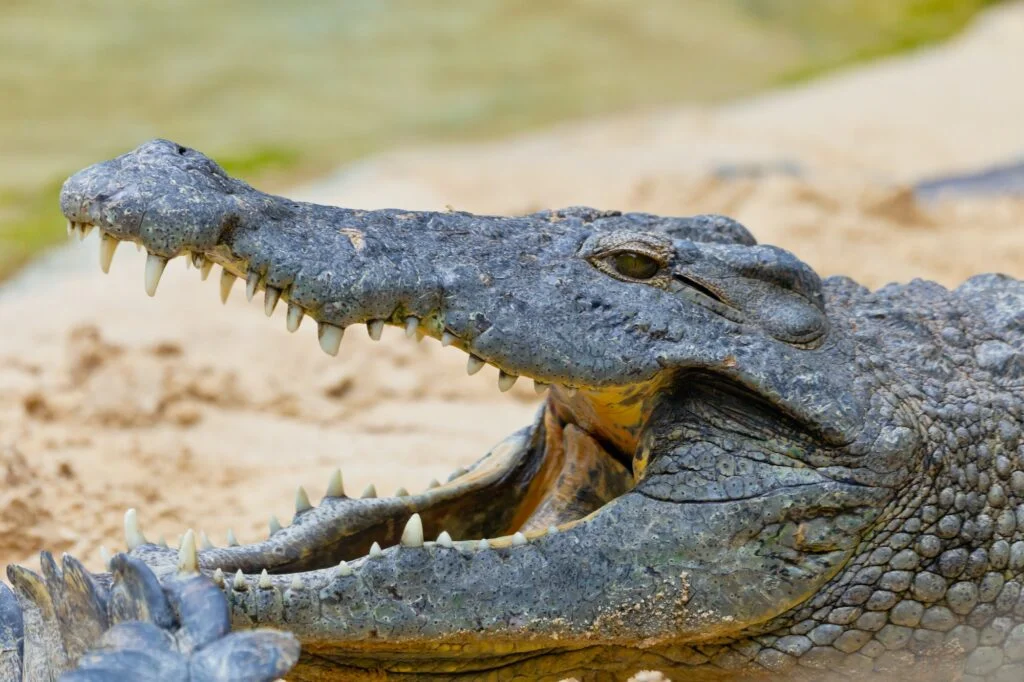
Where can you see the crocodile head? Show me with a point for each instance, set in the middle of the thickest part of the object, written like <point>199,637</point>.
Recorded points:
<point>706,459</point>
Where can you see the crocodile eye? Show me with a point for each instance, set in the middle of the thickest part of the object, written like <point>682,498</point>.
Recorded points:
<point>636,265</point>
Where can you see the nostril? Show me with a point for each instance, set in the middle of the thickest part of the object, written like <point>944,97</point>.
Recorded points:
<point>182,150</point>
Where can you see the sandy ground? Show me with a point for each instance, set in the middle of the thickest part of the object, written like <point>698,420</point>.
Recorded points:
<point>207,417</point>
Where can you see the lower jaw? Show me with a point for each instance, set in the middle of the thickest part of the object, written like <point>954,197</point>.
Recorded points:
<point>544,478</point>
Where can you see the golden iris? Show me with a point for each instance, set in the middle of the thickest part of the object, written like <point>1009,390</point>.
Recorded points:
<point>636,265</point>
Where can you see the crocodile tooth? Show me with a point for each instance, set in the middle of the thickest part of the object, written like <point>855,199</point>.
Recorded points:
<point>294,318</point>
<point>301,500</point>
<point>204,541</point>
<point>474,365</point>
<point>483,544</point>
<point>375,551</point>
<point>336,486</point>
<point>232,540</point>
<point>505,380</point>
<point>138,246</point>
<point>132,535</point>
<point>274,524</point>
<point>540,387</point>
<point>448,339</point>
<point>455,474</point>
<point>412,536</point>
<point>154,269</point>
<point>198,260</point>
<point>71,228</point>
<point>84,230</point>
<point>412,325</point>
<point>518,539</point>
<point>271,296</point>
<point>188,259</point>
<point>218,578</point>
<point>570,391</point>
<point>330,337</point>
<point>265,583</point>
<point>252,282</point>
<point>369,491</point>
<point>204,271</point>
<point>188,559</point>
<point>434,483</point>
<point>239,582</point>
<point>444,539</point>
<point>108,245</point>
<point>401,492</point>
<point>227,280</point>
<point>297,584</point>
<point>374,329</point>
<point>162,541</point>
<point>105,557</point>
<point>344,570</point>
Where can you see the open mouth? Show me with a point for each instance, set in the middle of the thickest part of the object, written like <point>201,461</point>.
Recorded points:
<point>541,480</point>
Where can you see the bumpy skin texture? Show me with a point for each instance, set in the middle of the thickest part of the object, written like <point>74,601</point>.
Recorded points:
<point>825,482</point>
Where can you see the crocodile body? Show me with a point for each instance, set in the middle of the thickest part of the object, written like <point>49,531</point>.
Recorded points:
<point>740,471</point>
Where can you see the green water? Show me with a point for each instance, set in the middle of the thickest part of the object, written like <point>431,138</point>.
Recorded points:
<point>281,91</point>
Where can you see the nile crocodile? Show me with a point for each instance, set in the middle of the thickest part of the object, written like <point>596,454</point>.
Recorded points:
<point>740,471</point>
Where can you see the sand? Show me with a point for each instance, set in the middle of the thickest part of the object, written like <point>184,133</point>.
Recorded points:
<point>208,417</point>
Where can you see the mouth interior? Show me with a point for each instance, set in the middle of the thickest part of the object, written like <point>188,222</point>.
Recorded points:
<point>537,481</point>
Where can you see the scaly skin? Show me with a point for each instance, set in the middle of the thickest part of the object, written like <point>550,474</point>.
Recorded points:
<point>740,472</point>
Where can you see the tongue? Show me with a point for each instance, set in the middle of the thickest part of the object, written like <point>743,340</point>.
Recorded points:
<point>579,477</point>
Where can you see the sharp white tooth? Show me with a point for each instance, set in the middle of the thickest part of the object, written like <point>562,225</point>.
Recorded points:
<point>204,541</point>
<point>506,381</point>
<point>540,387</point>
<point>84,230</point>
<point>434,483</point>
<point>374,551</point>
<point>455,474</point>
<point>369,491</point>
<point>239,582</point>
<point>218,578</point>
<point>301,500</point>
<point>232,540</point>
<point>448,339</point>
<point>138,246</point>
<point>444,539</point>
<point>132,535</point>
<point>227,280</point>
<point>336,486</point>
<point>252,282</point>
<point>412,536</point>
<point>401,492</point>
<point>162,541</point>
<point>204,271</point>
<point>330,337</point>
<point>198,260</point>
<point>570,391</point>
<point>483,544</point>
<point>71,228</point>
<point>344,570</point>
<point>518,539</point>
<point>154,269</point>
<point>270,298</point>
<point>552,530</point>
<point>297,583</point>
<point>188,259</point>
<point>474,365</point>
<point>274,524</point>
<point>265,583</point>
<point>188,559</point>
<point>294,318</point>
<point>374,329</point>
<point>412,326</point>
<point>108,245</point>
<point>105,557</point>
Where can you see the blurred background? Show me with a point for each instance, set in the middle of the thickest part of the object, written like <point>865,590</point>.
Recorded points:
<point>282,92</point>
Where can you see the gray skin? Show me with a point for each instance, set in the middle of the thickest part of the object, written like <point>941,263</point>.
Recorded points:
<point>752,473</point>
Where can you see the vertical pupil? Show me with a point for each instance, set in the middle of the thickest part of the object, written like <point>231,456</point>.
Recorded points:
<point>636,265</point>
